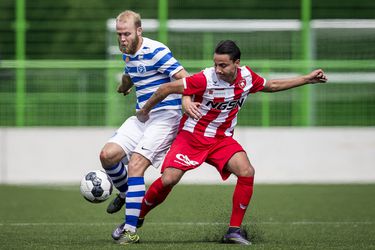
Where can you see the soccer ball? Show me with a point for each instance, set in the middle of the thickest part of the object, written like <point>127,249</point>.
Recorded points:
<point>96,186</point>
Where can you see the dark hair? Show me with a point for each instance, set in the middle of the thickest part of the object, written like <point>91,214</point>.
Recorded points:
<point>230,48</point>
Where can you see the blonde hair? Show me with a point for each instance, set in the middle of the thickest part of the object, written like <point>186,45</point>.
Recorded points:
<point>130,14</point>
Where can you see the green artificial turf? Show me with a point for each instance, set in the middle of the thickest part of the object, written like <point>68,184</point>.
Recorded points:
<point>193,217</point>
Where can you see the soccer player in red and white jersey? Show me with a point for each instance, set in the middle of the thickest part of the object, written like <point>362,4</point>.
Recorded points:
<point>206,134</point>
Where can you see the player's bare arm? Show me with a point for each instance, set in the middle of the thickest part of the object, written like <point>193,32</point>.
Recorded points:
<point>181,74</point>
<point>125,85</point>
<point>274,85</point>
<point>175,87</point>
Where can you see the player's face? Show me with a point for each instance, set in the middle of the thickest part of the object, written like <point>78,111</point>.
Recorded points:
<point>225,68</point>
<point>128,36</point>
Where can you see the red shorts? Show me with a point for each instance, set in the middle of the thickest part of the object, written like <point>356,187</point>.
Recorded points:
<point>189,151</point>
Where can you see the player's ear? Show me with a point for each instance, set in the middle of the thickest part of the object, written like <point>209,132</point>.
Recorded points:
<point>139,31</point>
<point>237,62</point>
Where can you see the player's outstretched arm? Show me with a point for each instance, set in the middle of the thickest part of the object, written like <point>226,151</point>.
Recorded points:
<point>175,87</point>
<point>274,85</point>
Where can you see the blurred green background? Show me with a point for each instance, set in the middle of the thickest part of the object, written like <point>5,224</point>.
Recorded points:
<point>61,70</point>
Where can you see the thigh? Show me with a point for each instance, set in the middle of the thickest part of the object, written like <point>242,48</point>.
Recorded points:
<point>222,153</point>
<point>239,164</point>
<point>128,135</point>
<point>158,136</point>
<point>185,153</point>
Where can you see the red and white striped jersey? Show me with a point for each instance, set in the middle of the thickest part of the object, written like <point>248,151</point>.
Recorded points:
<point>220,100</point>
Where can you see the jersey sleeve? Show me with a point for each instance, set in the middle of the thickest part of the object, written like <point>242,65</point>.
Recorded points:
<point>257,81</point>
<point>164,62</point>
<point>195,84</point>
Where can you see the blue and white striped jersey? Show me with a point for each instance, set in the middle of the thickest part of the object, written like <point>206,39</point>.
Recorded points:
<point>152,65</point>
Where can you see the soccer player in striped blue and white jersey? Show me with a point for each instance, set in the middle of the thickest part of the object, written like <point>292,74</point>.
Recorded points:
<point>136,145</point>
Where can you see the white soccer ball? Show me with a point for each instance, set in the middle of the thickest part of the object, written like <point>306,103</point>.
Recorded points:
<point>96,186</point>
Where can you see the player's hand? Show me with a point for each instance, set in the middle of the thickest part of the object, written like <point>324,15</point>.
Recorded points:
<point>317,76</point>
<point>142,115</point>
<point>192,110</point>
<point>122,89</point>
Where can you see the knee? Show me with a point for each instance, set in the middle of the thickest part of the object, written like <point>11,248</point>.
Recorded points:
<point>106,158</point>
<point>247,171</point>
<point>110,156</point>
<point>169,180</point>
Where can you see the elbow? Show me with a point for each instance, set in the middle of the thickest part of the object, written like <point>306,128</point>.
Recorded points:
<point>271,86</point>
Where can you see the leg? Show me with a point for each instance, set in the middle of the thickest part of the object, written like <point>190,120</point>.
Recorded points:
<point>136,191</point>
<point>240,165</point>
<point>159,190</point>
<point>125,233</point>
<point>111,154</point>
<point>156,194</point>
<point>112,159</point>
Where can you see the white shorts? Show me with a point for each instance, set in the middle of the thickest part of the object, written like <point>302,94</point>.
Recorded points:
<point>151,139</point>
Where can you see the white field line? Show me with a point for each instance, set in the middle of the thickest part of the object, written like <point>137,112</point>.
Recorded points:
<point>26,224</point>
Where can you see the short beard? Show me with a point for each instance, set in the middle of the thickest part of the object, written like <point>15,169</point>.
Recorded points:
<point>130,50</point>
<point>133,48</point>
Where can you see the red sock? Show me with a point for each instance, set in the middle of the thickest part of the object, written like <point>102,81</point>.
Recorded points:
<point>241,199</point>
<point>155,195</point>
